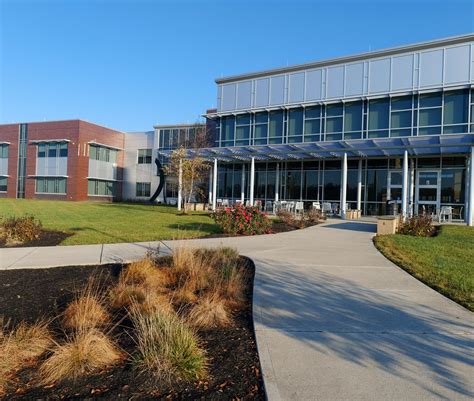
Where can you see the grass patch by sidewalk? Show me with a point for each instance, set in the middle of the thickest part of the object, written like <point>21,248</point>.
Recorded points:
<point>101,222</point>
<point>444,262</point>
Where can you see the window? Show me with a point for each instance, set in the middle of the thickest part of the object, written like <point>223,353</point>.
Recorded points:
<point>261,129</point>
<point>353,120</point>
<point>312,124</point>
<point>165,139</point>
<point>228,127</point>
<point>295,126</point>
<point>143,189</point>
<point>51,159</point>
<point>334,113</point>
<point>472,110</point>
<point>455,112</point>
<point>429,114</point>
<point>3,184</point>
<point>144,156</point>
<point>3,151</point>
<point>378,118</point>
<point>401,116</point>
<point>102,153</point>
<point>275,127</point>
<point>49,185</point>
<point>101,188</point>
<point>52,149</point>
<point>242,130</point>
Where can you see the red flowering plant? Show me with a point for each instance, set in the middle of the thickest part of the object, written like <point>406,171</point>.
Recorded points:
<point>242,220</point>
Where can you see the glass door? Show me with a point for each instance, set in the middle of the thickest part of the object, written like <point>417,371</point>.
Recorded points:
<point>394,188</point>
<point>428,190</point>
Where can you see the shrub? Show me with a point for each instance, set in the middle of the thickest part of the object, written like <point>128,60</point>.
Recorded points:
<point>86,351</point>
<point>21,229</point>
<point>242,220</point>
<point>167,348</point>
<point>145,272</point>
<point>418,226</point>
<point>87,310</point>
<point>314,216</point>
<point>24,343</point>
<point>286,217</point>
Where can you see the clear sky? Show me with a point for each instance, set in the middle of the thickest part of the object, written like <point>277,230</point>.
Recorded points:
<point>132,64</point>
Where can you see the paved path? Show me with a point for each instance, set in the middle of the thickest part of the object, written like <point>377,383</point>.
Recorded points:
<point>334,319</point>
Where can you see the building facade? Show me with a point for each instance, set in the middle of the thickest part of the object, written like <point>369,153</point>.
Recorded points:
<point>392,125</point>
<point>63,160</point>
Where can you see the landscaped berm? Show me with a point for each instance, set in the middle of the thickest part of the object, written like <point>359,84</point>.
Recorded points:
<point>75,223</point>
<point>177,327</point>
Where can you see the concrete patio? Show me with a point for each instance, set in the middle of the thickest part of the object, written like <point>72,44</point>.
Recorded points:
<point>334,319</point>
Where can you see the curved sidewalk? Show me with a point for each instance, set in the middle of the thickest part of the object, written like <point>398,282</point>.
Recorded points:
<point>334,319</point>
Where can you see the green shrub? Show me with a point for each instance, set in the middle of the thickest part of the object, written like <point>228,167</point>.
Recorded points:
<point>417,226</point>
<point>167,348</point>
<point>20,229</point>
<point>242,220</point>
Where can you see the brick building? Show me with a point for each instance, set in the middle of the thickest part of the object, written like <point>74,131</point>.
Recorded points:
<point>69,160</point>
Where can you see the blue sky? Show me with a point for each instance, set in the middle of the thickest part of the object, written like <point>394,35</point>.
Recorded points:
<point>132,64</point>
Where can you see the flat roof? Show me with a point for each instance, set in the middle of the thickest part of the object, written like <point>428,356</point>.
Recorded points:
<point>356,57</point>
<point>171,126</point>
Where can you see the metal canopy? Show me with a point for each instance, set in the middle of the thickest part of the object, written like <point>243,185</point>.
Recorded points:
<point>381,147</point>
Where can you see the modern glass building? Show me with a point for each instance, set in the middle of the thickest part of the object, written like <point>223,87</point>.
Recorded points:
<point>395,124</point>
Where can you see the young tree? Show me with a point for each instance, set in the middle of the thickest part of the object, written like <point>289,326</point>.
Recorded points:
<point>194,171</point>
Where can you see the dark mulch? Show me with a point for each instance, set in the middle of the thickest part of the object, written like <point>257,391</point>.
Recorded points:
<point>46,238</point>
<point>234,371</point>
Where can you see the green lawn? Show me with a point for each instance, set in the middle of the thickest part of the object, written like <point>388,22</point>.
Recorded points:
<point>444,262</point>
<point>94,222</point>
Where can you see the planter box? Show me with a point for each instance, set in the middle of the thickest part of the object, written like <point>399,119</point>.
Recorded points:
<point>387,225</point>
<point>352,214</point>
<point>200,207</point>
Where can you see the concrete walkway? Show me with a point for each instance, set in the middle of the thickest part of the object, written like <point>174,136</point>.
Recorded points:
<point>334,319</point>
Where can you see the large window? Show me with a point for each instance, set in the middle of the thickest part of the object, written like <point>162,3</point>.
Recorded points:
<point>378,118</point>
<point>401,116</point>
<point>353,120</point>
<point>334,113</point>
<point>429,114</point>
<point>228,129</point>
<point>50,185</point>
<point>276,131</point>
<point>3,151</point>
<point>144,156</point>
<point>101,188</point>
<point>295,126</point>
<point>3,160</point>
<point>51,159</point>
<point>455,112</point>
<point>261,129</point>
<point>242,130</point>
<point>143,189</point>
<point>101,153</point>
<point>312,124</point>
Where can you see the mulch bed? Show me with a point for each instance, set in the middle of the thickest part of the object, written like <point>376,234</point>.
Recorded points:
<point>47,238</point>
<point>234,367</point>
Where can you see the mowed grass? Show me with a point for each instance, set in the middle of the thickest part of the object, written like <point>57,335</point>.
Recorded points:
<point>444,262</point>
<point>100,222</point>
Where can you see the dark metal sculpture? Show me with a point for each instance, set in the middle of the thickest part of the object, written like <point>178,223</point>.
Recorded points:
<point>161,173</point>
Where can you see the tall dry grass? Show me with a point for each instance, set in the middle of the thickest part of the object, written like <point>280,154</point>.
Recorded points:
<point>18,346</point>
<point>82,353</point>
<point>88,309</point>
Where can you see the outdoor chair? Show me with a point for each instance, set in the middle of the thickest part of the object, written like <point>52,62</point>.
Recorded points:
<point>299,208</point>
<point>327,209</point>
<point>225,202</point>
<point>458,213</point>
<point>446,212</point>
<point>316,205</point>
<point>335,208</point>
<point>219,202</point>
<point>290,206</point>
<point>268,206</point>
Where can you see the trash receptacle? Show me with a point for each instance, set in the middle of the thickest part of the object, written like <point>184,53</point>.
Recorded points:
<point>387,225</point>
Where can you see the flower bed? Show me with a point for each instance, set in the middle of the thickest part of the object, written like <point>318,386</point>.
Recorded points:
<point>242,220</point>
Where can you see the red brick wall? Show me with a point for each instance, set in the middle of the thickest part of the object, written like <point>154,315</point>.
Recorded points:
<point>79,133</point>
<point>10,133</point>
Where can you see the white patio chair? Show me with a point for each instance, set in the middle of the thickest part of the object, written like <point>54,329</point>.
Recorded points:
<point>327,209</point>
<point>225,203</point>
<point>316,205</point>
<point>299,208</point>
<point>218,202</point>
<point>268,206</point>
<point>446,212</point>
